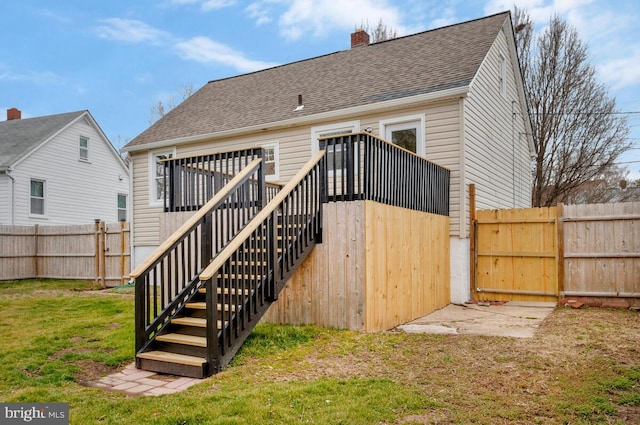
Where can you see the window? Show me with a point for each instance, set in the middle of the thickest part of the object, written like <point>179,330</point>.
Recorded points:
<point>156,176</point>
<point>37,197</point>
<point>333,130</point>
<point>84,149</point>
<point>271,161</point>
<point>122,207</point>
<point>406,132</point>
<point>503,76</point>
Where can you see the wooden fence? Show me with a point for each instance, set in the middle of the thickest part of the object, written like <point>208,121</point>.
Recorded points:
<point>98,252</point>
<point>545,254</point>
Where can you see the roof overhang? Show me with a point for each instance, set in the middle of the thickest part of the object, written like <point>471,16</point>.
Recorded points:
<point>435,96</point>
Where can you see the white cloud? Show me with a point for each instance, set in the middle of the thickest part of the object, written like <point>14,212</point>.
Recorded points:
<point>321,17</point>
<point>206,5</point>
<point>54,16</point>
<point>130,31</point>
<point>37,77</point>
<point>621,72</point>
<point>204,50</point>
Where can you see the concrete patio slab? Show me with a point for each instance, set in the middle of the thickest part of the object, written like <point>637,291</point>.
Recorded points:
<point>517,320</point>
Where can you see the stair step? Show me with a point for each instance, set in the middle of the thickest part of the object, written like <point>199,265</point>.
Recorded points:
<point>203,306</point>
<point>165,356</point>
<point>190,321</point>
<point>196,341</point>
<point>196,322</point>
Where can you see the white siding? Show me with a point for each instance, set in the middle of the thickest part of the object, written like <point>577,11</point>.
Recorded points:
<point>442,146</point>
<point>496,149</point>
<point>76,192</point>
<point>5,199</point>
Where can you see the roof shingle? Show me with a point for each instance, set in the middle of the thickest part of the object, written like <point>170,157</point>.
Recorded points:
<point>21,136</point>
<point>430,61</point>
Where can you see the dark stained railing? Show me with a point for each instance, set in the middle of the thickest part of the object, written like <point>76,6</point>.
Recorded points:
<point>192,181</point>
<point>166,279</point>
<point>362,166</point>
<point>250,272</point>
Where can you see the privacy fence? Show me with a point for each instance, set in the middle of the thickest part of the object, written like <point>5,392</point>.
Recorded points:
<point>98,252</point>
<point>545,254</point>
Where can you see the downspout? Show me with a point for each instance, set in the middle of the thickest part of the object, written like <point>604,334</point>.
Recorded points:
<point>13,197</point>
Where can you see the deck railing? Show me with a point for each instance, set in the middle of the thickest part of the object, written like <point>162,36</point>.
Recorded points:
<point>168,277</point>
<point>192,181</point>
<point>250,272</point>
<point>362,166</point>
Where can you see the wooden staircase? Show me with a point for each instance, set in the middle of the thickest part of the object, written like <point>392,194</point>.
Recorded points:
<point>193,325</point>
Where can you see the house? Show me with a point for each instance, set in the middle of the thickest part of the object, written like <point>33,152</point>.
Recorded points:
<point>59,169</point>
<point>451,96</point>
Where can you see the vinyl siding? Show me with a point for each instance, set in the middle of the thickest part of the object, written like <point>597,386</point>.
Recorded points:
<point>76,192</point>
<point>496,148</point>
<point>442,141</point>
<point>5,199</point>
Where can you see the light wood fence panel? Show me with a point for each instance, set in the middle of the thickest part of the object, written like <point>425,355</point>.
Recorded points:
<point>17,252</point>
<point>516,254</point>
<point>98,252</point>
<point>602,250</point>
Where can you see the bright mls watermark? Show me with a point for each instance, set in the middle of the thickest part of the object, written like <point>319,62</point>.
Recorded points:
<point>34,413</point>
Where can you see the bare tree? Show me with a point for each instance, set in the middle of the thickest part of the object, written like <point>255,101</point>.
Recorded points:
<point>380,32</point>
<point>578,132</point>
<point>160,110</point>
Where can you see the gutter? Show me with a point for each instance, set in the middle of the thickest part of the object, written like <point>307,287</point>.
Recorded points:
<point>342,113</point>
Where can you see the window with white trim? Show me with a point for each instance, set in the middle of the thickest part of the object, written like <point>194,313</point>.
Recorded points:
<point>83,145</point>
<point>406,132</point>
<point>156,176</point>
<point>37,197</point>
<point>271,161</point>
<point>503,75</point>
<point>122,207</point>
<point>333,130</point>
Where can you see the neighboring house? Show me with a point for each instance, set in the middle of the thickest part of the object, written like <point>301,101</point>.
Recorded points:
<point>59,169</point>
<point>453,95</point>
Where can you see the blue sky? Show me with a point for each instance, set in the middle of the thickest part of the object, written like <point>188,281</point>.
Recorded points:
<point>118,58</point>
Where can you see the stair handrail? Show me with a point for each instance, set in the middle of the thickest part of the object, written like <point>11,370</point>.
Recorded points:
<point>155,299</point>
<point>272,258</point>
<point>195,218</point>
<point>224,255</point>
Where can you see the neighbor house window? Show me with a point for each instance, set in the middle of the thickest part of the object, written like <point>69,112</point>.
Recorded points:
<point>156,176</point>
<point>503,75</point>
<point>37,196</point>
<point>334,157</point>
<point>84,149</point>
<point>406,132</point>
<point>271,161</point>
<point>122,207</point>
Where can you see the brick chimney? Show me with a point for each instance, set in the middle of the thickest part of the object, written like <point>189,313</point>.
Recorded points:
<point>359,38</point>
<point>13,114</point>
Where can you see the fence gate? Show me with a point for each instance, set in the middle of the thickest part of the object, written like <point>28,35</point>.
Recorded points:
<point>515,254</point>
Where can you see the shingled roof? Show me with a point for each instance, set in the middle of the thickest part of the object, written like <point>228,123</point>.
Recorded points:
<point>19,137</point>
<point>430,61</point>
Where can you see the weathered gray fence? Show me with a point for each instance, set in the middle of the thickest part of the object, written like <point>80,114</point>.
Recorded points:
<point>98,252</point>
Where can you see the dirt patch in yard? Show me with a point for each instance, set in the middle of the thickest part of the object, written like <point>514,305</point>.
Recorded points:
<point>520,380</point>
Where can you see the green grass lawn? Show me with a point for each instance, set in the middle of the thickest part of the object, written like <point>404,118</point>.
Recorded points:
<point>583,367</point>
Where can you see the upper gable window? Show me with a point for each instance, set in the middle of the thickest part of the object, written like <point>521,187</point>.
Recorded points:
<point>405,132</point>
<point>83,145</point>
<point>503,75</point>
